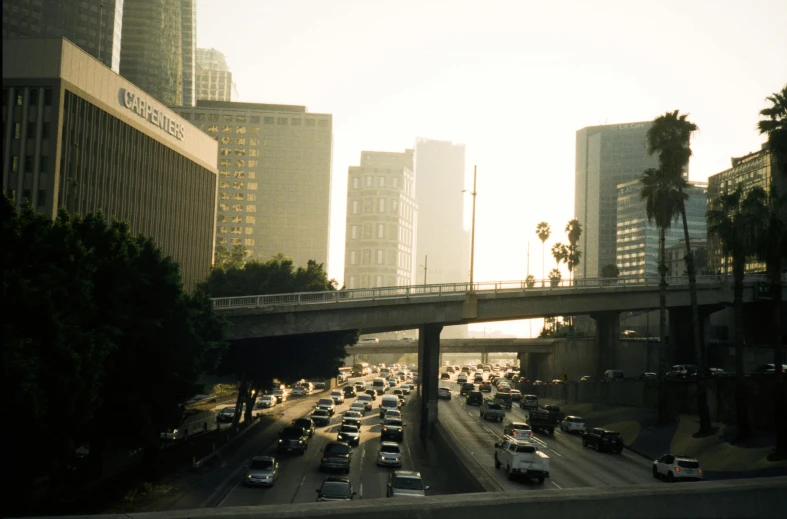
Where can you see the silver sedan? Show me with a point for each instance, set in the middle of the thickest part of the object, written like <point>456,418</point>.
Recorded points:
<point>389,455</point>
<point>263,471</point>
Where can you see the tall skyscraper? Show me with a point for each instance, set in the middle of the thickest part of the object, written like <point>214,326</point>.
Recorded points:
<point>606,156</point>
<point>638,239</point>
<point>188,19</point>
<point>95,26</point>
<point>443,243</point>
<point>214,78</point>
<point>381,221</point>
<point>442,237</point>
<point>274,177</point>
<point>153,55</point>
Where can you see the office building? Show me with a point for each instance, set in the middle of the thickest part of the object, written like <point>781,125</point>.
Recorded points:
<point>381,221</point>
<point>757,169</point>
<point>676,258</point>
<point>274,177</point>
<point>188,38</point>
<point>153,55</point>
<point>94,26</point>
<point>79,136</point>
<point>606,156</point>
<point>638,239</point>
<point>214,78</point>
<point>442,236</point>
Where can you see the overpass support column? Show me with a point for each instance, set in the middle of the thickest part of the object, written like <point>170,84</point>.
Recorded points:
<point>485,358</point>
<point>607,340</point>
<point>428,376</point>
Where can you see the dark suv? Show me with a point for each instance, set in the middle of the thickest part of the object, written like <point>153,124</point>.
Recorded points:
<point>293,438</point>
<point>603,440</point>
<point>306,424</point>
<point>466,388</point>
<point>336,455</point>
<point>474,398</point>
<point>682,371</point>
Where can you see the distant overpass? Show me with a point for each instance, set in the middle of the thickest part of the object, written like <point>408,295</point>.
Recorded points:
<point>405,308</point>
<point>457,346</point>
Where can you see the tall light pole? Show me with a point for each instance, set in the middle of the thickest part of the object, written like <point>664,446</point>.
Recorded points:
<point>472,230</point>
<point>426,262</point>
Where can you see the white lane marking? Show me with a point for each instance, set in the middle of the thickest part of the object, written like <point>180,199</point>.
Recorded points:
<point>558,486</point>
<point>360,492</point>
<point>300,485</point>
<point>228,494</point>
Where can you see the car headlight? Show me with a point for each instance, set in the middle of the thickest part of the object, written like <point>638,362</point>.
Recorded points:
<point>281,441</point>
<point>248,476</point>
<point>385,428</point>
<point>300,441</point>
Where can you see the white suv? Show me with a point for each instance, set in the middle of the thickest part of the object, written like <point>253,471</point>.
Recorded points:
<point>572,424</point>
<point>674,467</point>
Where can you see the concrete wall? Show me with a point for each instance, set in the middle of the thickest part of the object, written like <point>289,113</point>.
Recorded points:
<point>752,498</point>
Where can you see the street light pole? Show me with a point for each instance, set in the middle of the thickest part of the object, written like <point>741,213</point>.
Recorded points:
<point>472,231</point>
<point>426,262</point>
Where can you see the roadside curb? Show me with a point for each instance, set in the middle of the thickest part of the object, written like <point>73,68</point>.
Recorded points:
<point>638,453</point>
<point>467,462</point>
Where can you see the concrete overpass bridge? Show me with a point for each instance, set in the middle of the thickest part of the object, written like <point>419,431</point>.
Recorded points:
<point>430,307</point>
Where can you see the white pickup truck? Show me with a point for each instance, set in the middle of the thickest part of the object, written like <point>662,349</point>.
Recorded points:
<point>521,458</point>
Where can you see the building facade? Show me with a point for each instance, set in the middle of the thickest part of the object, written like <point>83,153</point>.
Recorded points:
<point>638,239</point>
<point>382,215</point>
<point>274,166</point>
<point>79,136</point>
<point>188,38</point>
<point>757,169</point>
<point>152,54</point>
<point>214,78</point>
<point>676,258</point>
<point>606,156</point>
<point>96,27</point>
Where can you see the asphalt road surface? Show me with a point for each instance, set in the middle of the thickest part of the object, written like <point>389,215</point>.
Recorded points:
<point>571,465</point>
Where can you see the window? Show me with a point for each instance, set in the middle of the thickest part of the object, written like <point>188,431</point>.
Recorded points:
<point>240,118</point>
<point>223,229</point>
<point>224,163</point>
<point>240,163</point>
<point>224,207</point>
<point>309,122</point>
<point>253,163</point>
<point>381,181</point>
<point>214,128</point>
<point>249,242</point>
<point>295,122</point>
<point>252,186</point>
<point>354,202</point>
<point>251,197</point>
<point>254,153</point>
<point>248,230</point>
<point>240,152</point>
<point>28,164</point>
<point>282,121</point>
<point>367,256</point>
<point>224,196</point>
<point>252,174</point>
<point>368,181</point>
<point>394,205</point>
<point>251,219</point>
<point>222,218</point>
<point>186,116</point>
<point>41,197</point>
<point>43,163</point>
<point>224,173</point>
<point>255,131</point>
<point>226,129</point>
<point>226,118</point>
<point>251,208</point>
<point>324,123</point>
<point>353,258</point>
<point>237,196</point>
<point>379,281</point>
<point>31,130</point>
<point>225,151</point>
<point>240,130</point>
<point>268,120</point>
<point>235,241</point>
<point>367,230</point>
<point>240,141</point>
<point>226,140</point>
<point>47,97</point>
<point>237,219</point>
<point>254,142</point>
<point>224,185</point>
<point>214,118</point>
<point>221,241</point>
<point>239,174</point>
<point>379,257</point>
<point>354,232</point>
<point>356,182</point>
<point>380,231</point>
<point>255,119</point>
<point>19,98</point>
<point>382,205</point>
<point>238,185</point>
<point>17,130</point>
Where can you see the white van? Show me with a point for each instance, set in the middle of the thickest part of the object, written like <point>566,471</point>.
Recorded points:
<point>389,403</point>
<point>380,385</point>
<point>613,374</point>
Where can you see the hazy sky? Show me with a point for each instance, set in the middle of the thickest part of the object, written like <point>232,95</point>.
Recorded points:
<point>513,80</point>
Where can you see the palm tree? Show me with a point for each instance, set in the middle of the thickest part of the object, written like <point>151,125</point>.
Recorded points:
<point>775,126</point>
<point>661,207</point>
<point>559,252</point>
<point>669,137</point>
<point>543,231</point>
<point>573,254</point>
<point>774,252</point>
<point>736,221</point>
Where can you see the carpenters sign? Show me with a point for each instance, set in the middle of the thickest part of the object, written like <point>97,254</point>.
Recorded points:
<point>149,111</point>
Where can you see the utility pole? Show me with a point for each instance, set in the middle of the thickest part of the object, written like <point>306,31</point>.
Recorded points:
<point>472,231</point>
<point>426,262</point>
<point>529,321</point>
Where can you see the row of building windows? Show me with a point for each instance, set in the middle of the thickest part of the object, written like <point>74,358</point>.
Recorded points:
<point>249,197</point>
<point>255,119</point>
<point>248,242</point>
<point>32,99</point>
<point>379,281</point>
<point>29,163</point>
<point>223,218</point>
<point>379,257</point>
<point>381,206</point>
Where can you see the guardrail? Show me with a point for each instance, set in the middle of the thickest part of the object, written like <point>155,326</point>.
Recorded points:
<point>452,289</point>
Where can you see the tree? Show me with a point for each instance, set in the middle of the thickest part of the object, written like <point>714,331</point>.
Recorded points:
<point>774,125</point>
<point>610,271</point>
<point>255,362</point>
<point>559,252</point>
<point>773,249</point>
<point>669,137</point>
<point>102,344</point>
<point>224,258</point>
<point>661,207</point>
<point>573,255</point>
<point>543,231</point>
<point>734,219</point>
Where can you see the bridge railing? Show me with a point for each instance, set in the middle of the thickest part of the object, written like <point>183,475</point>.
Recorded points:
<point>448,289</point>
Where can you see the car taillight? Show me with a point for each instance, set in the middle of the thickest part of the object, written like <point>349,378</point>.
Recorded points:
<point>531,433</point>
<point>677,469</point>
<point>699,471</point>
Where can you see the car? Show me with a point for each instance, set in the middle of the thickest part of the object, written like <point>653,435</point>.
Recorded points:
<point>337,396</point>
<point>406,389</point>
<point>474,398</point>
<point>349,392</point>
<point>266,401</point>
<point>405,483</point>
<point>319,386</point>
<point>389,454</point>
<point>673,468</point>
<point>491,410</point>
<point>461,379</point>
<point>713,373</point>
<point>445,376</point>
<point>572,424</point>
<point>393,429</point>
<point>647,375</point>
<point>528,402</point>
<point>226,415</point>
<point>443,393</point>
<point>306,424</point>
<point>360,386</point>
<point>516,395</point>
<point>369,339</point>
<point>350,434</point>
<point>602,440</point>
<point>466,388</point>
<point>485,386</point>
<point>366,400</point>
<point>336,455</point>
<point>373,393</point>
<point>293,438</point>
<point>327,404</point>
<point>359,407</point>
<point>281,395</point>
<point>518,430</point>
<point>299,391</point>
<point>613,374</point>
<point>393,381</point>
<point>586,378</point>
<point>321,417</point>
<point>263,471</point>
<point>768,369</point>
<point>335,489</point>
<point>392,413</point>
<point>504,399</point>
<point>352,418</point>
<point>681,371</point>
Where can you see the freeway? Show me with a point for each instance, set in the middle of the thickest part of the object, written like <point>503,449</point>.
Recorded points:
<point>300,475</point>
<point>571,465</point>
